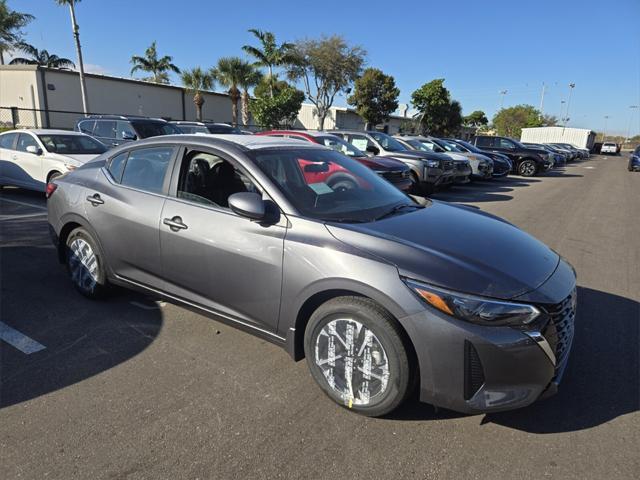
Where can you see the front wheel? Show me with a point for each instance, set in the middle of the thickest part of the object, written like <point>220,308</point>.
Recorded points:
<point>357,354</point>
<point>85,264</point>
<point>527,168</point>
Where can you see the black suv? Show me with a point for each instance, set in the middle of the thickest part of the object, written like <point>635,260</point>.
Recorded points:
<point>190,127</point>
<point>526,161</point>
<point>112,130</point>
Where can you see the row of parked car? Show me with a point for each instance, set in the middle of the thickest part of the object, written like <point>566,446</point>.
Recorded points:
<point>413,163</point>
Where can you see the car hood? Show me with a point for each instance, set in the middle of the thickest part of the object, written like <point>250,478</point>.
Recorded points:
<point>382,163</point>
<point>455,156</point>
<point>538,151</point>
<point>75,159</point>
<point>456,247</point>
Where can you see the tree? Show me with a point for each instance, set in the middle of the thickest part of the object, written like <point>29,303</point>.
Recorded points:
<point>40,57</point>
<point>475,119</point>
<point>326,67</point>
<point>196,81</point>
<point>510,121</point>
<point>230,73</point>
<point>549,121</point>
<point>270,55</point>
<point>375,96</point>
<point>11,24</point>
<point>76,36</point>
<point>158,67</point>
<point>271,112</point>
<point>438,114</point>
<point>250,78</point>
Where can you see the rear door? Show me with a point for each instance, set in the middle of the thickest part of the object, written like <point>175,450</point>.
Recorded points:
<point>8,167</point>
<point>124,205</point>
<point>211,256</point>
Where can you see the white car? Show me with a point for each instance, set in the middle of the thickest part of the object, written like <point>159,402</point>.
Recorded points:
<point>32,158</point>
<point>609,147</point>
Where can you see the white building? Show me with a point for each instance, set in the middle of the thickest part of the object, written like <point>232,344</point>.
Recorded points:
<point>343,118</point>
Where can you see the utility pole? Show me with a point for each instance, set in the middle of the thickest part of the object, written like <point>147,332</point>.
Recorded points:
<point>562,102</point>
<point>631,107</point>
<point>76,36</point>
<point>566,118</point>
<point>544,87</point>
<point>502,94</point>
<point>604,133</point>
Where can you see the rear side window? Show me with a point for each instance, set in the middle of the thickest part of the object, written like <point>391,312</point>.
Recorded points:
<point>116,166</point>
<point>87,126</point>
<point>105,129</point>
<point>146,168</point>
<point>7,140</point>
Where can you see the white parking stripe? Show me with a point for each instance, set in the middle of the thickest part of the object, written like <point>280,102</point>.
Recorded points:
<point>18,216</point>
<point>19,340</point>
<point>24,204</point>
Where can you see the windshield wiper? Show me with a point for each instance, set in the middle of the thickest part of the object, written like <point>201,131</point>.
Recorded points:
<point>396,209</point>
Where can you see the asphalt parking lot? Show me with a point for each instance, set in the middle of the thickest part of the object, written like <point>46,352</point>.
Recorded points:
<point>133,388</point>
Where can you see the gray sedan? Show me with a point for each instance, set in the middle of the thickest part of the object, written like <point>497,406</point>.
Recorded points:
<point>380,294</point>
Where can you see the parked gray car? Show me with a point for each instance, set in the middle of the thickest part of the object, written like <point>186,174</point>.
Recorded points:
<point>378,292</point>
<point>429,170</point>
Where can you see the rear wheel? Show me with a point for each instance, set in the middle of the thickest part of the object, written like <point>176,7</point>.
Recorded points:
<point>85,264</point>
<point>356,353</point>
<point>527,168</point>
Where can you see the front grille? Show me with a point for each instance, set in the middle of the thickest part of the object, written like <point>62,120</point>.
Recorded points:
<point>461,166</point>
<point>396,175</point>
<point>559,331</point>
<point>447,165</point>
<point>473,372</point>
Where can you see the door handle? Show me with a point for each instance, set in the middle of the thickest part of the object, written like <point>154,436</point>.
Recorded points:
<point>95,199</point>
<point>14,156</point>
<point>174,224</point>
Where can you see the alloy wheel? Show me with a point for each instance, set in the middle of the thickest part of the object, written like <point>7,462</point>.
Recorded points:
<point>83,264</point>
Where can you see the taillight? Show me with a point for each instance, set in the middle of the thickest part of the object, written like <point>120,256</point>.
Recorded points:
<point>51,187</point>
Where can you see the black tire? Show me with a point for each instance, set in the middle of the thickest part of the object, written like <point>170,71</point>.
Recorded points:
<point>386,353</point>
<point>527,168</point>
<point>52,176</point>
<point>86,265</point>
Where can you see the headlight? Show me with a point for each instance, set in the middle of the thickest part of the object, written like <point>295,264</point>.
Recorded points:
<point>433,163</point>
<point>479,310</point>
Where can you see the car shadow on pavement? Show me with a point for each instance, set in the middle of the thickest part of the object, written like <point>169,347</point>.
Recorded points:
<point>484,190</point>
<point>602,381</point>
<point>82,338</point>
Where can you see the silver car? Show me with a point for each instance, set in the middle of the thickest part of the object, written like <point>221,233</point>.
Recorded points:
<point>378,292</point>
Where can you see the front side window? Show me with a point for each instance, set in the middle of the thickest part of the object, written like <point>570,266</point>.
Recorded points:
<point>7,140</point>
<point>340,145</point>
<point>105,129</point>
<point>86,126</point>
<point>361,142</point>
<point>208,179</point>
<point>326,185</point>
<point>484,142</point>
<point>25,140</point>
<point>146,168</point>
<point>124,131</point>
<point>72,144</point>
<point>146,129</point>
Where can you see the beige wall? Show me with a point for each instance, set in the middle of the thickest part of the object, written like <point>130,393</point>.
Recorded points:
<point>19,87</point>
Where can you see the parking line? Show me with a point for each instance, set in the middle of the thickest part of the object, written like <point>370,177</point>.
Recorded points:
<point>19,216</point>
<point>19,340</point>
<point>24,204</point>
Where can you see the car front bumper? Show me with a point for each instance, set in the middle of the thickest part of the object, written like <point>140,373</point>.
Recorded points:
<point>471,368</point>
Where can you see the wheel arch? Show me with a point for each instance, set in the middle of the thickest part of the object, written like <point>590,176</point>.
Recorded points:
<point>51,172</point>
<point>69,223</point>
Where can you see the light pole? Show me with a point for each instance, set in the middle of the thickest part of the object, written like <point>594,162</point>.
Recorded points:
<point>562,102</point>
<point>631,107</point>
<point>604,133</point>
<point>502,94</point>
<point>566,118</point>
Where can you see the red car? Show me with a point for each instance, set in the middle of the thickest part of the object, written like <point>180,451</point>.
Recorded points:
<point>392,170</point>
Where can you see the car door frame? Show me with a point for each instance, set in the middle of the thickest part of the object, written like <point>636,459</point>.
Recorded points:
<point>283,223</point>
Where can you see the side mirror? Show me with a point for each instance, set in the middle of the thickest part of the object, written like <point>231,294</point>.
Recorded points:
<point>373,149</point>
<point>35,150</point>
<point>129,136</point>
<point>248,204</point>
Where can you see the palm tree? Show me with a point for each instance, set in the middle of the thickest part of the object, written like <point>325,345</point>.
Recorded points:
<point>230,74</point>
<point>270,55</point>
<point>250,78</point>
<point>158,67</point>
<point>76,36</point>
<point>10,24</point>
<point>196,81</point>
<point>40,57</point>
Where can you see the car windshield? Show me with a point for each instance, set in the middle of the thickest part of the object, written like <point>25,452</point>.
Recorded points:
<point>326,185</point>
<point>518,144</point>
<point>340,145</point>
<point>191,129</point>
<point>72,144</point>
<point>449,147</point>
<point>464,146</point>
<point>223,129</point>
<point>388,143</point>
<point>146,129</point>
<point>418,145</point>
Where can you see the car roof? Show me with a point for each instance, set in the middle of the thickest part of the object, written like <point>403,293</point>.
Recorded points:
<point>249,142</point>
<point>45,131</point>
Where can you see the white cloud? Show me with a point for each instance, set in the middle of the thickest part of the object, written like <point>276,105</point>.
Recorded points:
<point>94,68</point>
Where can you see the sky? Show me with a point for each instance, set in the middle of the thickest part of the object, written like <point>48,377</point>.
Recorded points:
<point>479,48</point>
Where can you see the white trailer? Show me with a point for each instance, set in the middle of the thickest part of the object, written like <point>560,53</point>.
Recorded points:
<point>578,137</point>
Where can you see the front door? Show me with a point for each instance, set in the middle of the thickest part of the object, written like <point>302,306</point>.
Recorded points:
<point>124,205</point>
<point>211,256</point>
<point>28,165</point>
